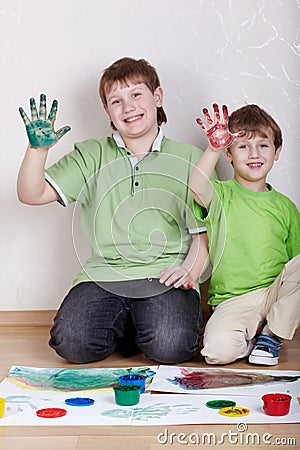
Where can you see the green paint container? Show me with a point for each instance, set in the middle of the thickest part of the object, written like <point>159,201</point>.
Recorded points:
<point>127,395</point>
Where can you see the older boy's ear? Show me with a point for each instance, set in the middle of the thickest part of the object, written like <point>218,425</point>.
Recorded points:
<point>106,109</point>
<point>277,153</point>
<point>159,95</point>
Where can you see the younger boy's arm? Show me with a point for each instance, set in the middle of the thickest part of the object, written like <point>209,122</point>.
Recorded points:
<point>200,185</point>
<point>32,187</point>
<point>195,263</point>
<point>219,138</point>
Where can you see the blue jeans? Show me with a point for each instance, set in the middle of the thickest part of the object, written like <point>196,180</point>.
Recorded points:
<point>93,322</point>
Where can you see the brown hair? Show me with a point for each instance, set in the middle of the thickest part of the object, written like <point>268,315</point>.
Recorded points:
<point>254,120</point>
<point>134,70</point>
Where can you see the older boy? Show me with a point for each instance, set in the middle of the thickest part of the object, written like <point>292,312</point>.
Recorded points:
<point>254,240</point>
<point>137,216</point>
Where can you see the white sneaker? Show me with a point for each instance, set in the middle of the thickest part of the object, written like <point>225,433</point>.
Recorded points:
<point>266,351</point>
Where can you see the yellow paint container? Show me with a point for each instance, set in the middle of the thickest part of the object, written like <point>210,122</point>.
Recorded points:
<point>2,407</point>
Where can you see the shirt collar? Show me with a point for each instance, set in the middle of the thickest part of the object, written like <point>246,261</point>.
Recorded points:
<point>155,146</point>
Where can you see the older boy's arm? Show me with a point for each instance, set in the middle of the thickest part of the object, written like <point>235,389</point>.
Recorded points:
<point>197,259</point>
<point>195,263</point>
<point>32,187</point>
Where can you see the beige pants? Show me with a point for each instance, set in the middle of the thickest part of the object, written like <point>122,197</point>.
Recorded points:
<point>230,332</point>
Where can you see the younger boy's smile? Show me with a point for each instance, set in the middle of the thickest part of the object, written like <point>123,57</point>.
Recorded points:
<point>254,165</point>
<point>253,158</point>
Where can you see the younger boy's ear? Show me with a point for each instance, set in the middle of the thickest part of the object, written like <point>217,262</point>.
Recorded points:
<point>228,155</point>
<point>159,95</point>
<point>277,153</point>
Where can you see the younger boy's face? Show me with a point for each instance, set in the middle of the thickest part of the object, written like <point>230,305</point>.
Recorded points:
<point>253,156</point>
<point>133,108</point>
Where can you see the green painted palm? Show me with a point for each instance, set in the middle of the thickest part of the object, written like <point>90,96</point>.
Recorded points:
<point>40,129</point>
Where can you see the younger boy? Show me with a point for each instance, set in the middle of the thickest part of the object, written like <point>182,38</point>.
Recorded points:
<point>137,215</point>
<point>254,240</point>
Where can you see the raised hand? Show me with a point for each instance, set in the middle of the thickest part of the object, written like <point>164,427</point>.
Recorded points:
<point>40,129</point>
<point>217,132</point>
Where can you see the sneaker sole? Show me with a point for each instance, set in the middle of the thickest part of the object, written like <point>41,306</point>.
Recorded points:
<point>263,361</point>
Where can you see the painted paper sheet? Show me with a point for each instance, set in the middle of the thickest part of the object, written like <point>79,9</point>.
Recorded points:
<point>24,401</point>
<point>200,381</point>
<point>153,409</point>
<point>68,380</point>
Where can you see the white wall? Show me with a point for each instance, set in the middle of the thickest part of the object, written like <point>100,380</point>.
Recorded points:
<point>228,51</point>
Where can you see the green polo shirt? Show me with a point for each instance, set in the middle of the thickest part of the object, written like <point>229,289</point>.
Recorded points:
<point>136,215</point>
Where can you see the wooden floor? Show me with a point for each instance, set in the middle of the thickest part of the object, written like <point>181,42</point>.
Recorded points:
<point>28,345</point>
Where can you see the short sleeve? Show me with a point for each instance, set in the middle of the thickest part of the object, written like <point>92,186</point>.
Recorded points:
<point>71,173</point>
<point>199,211</point>
<point>293,242</point>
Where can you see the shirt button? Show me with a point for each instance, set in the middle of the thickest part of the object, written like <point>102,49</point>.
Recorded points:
<point>136,183</point>
<point>137,168</point>
<point>128,153</point>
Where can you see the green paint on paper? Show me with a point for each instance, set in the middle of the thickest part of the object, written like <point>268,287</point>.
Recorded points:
<point>156,411</point>
<point>70,379</point>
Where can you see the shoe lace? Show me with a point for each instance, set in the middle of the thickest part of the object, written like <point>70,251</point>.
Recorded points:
<point>268,343</point>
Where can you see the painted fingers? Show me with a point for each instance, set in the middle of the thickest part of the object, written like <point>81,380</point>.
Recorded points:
<point>217,131</point>
<point>40,129</point>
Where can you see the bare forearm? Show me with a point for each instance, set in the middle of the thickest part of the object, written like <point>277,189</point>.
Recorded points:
<point>197,258</point>
<point>200,176</point>
<point>32,188</point>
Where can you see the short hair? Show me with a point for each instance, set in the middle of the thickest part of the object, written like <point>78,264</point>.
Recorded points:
<point>134,70</point>
<point>253,119</point>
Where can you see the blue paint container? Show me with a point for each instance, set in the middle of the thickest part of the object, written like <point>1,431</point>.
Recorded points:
<point>79,401</point>
<point>134,380</point>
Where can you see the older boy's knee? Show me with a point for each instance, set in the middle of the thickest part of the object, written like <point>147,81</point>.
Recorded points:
<point>170,351</point>
<point>77,351</point>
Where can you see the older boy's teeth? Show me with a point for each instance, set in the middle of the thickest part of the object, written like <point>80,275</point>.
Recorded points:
<point>131,119</point>
<point>255,164</point>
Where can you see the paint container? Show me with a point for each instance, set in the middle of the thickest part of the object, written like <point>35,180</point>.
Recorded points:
<point>79,401</point>
<point>2,407</point>
<point>127,395</point>
<point>51,413</point>
<point>276,404</point>
<point>134,380</point>
<point>219,404</point>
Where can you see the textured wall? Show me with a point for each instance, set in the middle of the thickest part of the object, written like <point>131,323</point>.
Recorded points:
<point>229,51</point>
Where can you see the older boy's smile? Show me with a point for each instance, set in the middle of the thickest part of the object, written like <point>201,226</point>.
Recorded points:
<point>134,118</point>
<point>132,108</point>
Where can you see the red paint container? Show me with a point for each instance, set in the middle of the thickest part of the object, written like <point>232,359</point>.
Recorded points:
<point>276,404</point>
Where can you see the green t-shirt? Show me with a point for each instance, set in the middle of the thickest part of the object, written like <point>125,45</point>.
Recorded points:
<point>137,215</point>
<point>252,235</point>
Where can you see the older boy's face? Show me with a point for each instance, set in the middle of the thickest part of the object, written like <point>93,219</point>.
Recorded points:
<point>253,156</point>
<point>133,108</point>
